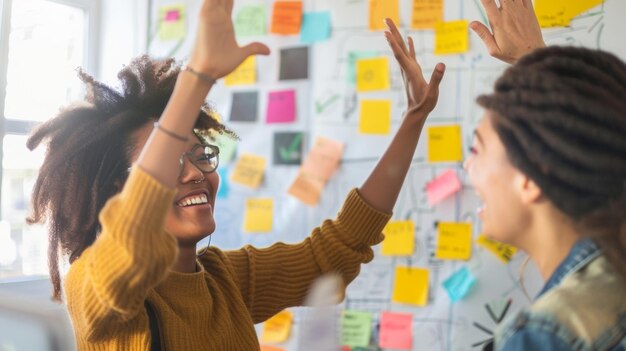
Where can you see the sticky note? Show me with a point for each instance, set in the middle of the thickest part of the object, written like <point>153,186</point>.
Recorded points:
<point>227,146</point>
<point>307,188</point>
<point>444,144</point>
<point>271,348</point>
<point>244,107</point>
<point>323,159</point>
<point>396,331</point>
<point>356,328</point>
<point>375,117</point>
<point>171,24</point>
<point>315,27</point>
<point>411,286</point>
<point>399,238</point>
<point>281,106</point>
<point>353,57</point>
<point>288,148</point>
<point>244,74</point>
<point>223,189</point>
<point>286,17</point>
<point>258,215</point>
<point>502,251</point>
<point>294,63</point>
<point>445,185</point>
<point>559,13</point>
<point>454,241</point>
<point>459,284</point>
<point>277,328</point>
<point>426,13</point>
<point>251,21</point>
<point>248,171</point>
<point>381,9</point>
<point>451,37</point>
<point>372,74</point>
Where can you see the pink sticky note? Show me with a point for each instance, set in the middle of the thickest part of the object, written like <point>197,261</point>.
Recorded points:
<point>172,15</point>
<point>443,186</point>
<point>281,107</point>
<point>396,331</point>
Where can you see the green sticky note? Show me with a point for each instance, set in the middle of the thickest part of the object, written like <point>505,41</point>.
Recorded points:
<point>353,57</point>
<point>251,21</point>
<point>172,22</point>
<point>356,327</point>
<point>228,147</point>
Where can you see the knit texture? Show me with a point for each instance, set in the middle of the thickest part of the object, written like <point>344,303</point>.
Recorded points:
<point>216,307</point>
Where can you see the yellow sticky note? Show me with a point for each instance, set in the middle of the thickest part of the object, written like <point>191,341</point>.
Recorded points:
<point>411,286</point>
<point>502,251</point>
<point>451,37</point>
<point>426,13</point>
<point>559,13</point>
<point>454,241</point>
<point>245,74</point>
<point>444,144</point>
<point>171,25</point>
<point>277,328</point>
<point>372,74</point>
<point>399,238</point>
<point>375,117</point>
<point>258,216</point>
<point>249,170</point>
<point>381,9</point>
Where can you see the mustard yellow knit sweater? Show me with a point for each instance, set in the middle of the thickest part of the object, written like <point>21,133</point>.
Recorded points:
<point>216,307</point>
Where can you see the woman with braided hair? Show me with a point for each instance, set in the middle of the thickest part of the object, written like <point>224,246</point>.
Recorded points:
<point>135,281</point>
<point>549,164</point>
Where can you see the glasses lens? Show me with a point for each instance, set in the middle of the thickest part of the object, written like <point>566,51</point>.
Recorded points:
<point>205,158</point>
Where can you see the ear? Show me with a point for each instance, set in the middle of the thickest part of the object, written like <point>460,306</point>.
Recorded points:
<point>529,192</point>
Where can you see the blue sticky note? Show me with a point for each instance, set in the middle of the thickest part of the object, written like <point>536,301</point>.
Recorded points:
<point>459,283</point>
<point>222,191</point>
<point>315,27</point>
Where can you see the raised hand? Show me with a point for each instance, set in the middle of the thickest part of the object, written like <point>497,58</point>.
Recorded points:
<point>216,52</point>
<point>421,96</point>
<point>516,30</point>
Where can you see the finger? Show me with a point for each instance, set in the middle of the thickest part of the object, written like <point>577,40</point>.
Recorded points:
<point>485,35</point>
<point>397,51</point>
<point>394,31</point>
<point>255,48</point>
<point>412,49</point>
<point>493,13</point>
<point>527,4</point>
<point>437,76</point>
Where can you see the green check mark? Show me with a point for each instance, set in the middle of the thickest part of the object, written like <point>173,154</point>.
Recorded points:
<point>290,152</point>
<point>321,106</point>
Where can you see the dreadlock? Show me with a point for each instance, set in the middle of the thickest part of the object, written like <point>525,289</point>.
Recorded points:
<point>561,114</point>
<point>88,153</point>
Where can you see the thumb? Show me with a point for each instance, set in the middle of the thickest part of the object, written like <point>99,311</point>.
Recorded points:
<point>255,48</point>
<point>437,76</point>
<point>485,35</point>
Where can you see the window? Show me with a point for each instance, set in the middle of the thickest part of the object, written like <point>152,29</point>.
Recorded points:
<point>42,42</point>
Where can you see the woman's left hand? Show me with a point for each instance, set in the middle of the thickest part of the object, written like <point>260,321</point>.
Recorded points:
<point>421,96</point>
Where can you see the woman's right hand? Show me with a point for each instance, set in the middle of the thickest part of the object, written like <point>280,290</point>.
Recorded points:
<point>216,52</point>
<point>516,30</point>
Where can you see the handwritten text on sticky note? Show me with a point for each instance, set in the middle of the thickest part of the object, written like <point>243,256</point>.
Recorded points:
<point>444,144</point>
<point>250,21</point>
<point>426,13</point>
<point>502,251</point>
<point>171,24</point>
<point>559,13</point>
<point>281,106</point>
<point>399,238</point>
<point>396,331</point>
<point>454,241</point>
<point>245,74</point>
<point>381,9</point>
<point>259,215</point>
<point>356,327</point>
<point>286,17</point>
<point>451,37</point>
<point>249,170</point>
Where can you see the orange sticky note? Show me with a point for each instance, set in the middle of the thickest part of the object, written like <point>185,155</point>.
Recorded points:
<point>454,241</point>
<point>271,348</point>
<point>444,144</point>
<point>307,188</point>
<point>411,286</point>
<point>381,9</point>
<point>375,117</point>
<point>426,13</point>
<point>502,251</point>
<point>249,170</point>
<point>451,37</point>
<point>372,74</point>
<point>245,74</point>
<point>286,17</point>
<point>277,328</point>
<point>258,216</point>
<point>399,238</point>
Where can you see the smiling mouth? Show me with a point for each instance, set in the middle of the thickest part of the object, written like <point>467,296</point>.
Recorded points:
<point>193,200</point>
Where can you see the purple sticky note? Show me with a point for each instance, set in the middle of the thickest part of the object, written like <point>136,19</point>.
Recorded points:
<point>281,107</point>
<point>172,15</point>
<point>443,186</point>
<point>396,331</point>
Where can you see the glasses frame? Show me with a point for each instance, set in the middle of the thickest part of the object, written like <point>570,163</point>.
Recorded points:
<point>189,155</point>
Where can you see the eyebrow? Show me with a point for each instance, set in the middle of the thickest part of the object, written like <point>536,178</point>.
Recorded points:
<point>480,139</point>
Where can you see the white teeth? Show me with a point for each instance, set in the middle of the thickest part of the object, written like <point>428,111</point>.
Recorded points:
<point>194,200</point>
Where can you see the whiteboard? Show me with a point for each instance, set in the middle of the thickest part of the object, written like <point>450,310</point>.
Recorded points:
<point>441,325</point>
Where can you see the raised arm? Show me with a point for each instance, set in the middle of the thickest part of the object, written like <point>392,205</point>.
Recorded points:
<point>382,187</point>
<point>515,27</point>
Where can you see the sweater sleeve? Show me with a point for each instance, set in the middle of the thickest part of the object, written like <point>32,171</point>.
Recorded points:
<point>108,284</point>
<point>280,276</point>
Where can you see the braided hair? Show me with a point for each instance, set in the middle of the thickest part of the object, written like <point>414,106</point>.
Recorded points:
<point>561,114</point>
<point>88,153</point>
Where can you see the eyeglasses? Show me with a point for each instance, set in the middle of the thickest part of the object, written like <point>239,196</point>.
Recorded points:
<point>204,156</point>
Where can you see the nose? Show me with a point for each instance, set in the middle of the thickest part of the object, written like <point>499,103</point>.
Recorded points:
<point>467,163</point>
<point>189,172</point>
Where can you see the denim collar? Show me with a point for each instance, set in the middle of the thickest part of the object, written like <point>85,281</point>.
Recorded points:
<point>583,252</point>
